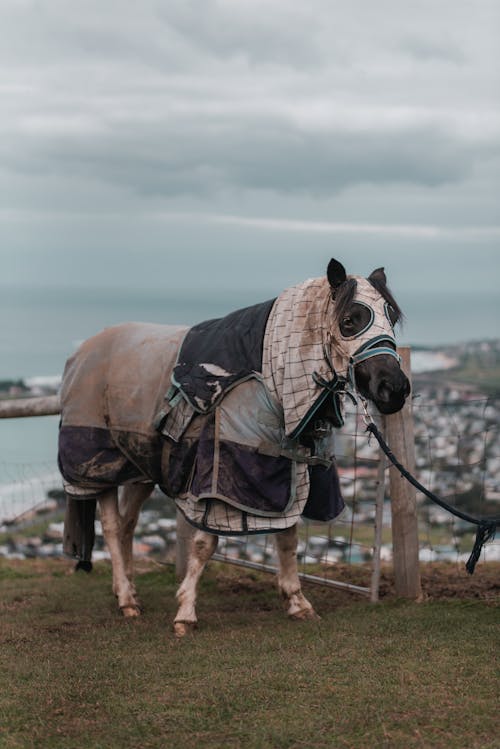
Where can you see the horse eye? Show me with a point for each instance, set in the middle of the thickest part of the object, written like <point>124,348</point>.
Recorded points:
<point>347,321</point>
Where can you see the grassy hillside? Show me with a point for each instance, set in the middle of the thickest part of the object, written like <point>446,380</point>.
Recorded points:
<point>396,674</point>
<point>486,379</point>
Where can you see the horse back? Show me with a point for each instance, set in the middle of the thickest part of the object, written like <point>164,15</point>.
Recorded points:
<point>118,378</point>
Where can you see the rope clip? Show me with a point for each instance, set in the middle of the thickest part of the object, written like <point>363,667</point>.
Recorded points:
<point>366,414</point>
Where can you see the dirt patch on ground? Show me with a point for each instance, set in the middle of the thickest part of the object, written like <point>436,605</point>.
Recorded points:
<point>439,580</point>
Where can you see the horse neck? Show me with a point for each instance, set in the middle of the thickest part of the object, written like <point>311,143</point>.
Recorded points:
<point>298,330</point>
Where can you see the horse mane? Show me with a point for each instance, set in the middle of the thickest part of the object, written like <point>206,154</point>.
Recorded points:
<point>345,293</point>
<point>386,294</point>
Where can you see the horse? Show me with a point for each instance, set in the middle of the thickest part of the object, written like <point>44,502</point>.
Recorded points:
<point>232,418</point>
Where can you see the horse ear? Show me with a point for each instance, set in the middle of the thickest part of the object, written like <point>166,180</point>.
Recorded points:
<point>378,276</point>
<point>335,273</point>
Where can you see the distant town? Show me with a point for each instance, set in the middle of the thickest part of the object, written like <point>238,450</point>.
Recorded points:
<point>457,453</point>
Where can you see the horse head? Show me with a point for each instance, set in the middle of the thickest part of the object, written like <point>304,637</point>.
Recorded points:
<point>365,315</point>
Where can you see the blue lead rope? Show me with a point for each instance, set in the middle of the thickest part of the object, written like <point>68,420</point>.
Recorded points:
<point>486,527</point>
<point>384,344</point>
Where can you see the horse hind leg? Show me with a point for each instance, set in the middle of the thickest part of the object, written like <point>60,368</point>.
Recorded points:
<point>202,547</point>
<point>297,605</point>
<point>111,527</point>
<point>131,499</point>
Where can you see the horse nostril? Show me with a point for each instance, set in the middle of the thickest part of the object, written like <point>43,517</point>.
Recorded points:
<point>385,390</point>
<point>388,389</point>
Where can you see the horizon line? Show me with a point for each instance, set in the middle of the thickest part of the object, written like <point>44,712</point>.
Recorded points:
<point>420,231</point>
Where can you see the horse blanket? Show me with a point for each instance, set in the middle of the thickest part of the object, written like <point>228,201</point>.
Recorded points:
<point>212,414</point>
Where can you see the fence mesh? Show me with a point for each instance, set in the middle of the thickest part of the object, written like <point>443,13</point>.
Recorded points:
<point>457,446</point>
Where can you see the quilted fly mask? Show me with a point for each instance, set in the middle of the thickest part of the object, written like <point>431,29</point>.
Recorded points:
<point>365,316</point>
<point>360,348</point>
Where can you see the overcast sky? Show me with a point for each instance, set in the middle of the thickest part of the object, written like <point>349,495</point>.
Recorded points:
<point>156,143</point>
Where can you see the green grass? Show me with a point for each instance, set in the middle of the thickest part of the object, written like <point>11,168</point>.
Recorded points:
<point>396,674</point>
<point>470,372</point>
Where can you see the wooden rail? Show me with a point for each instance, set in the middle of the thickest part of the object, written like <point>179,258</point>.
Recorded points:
<point>15,408</point>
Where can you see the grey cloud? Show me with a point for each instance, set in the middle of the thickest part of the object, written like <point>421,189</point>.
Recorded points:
<point>101,34</point>
<point>426,49</point>
<point>285,33</point>
<point>181,34</point>
<point>330,162</point>
<point>171,161</point>
<point>303,107</point>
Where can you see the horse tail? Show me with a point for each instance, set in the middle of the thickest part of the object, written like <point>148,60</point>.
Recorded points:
<point>79,531</point>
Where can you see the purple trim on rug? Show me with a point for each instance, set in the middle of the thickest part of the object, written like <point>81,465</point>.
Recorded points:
<point>262,483</point>
<point>88,457</point>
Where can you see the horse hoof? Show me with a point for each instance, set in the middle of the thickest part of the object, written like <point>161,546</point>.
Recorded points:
<point>181,629</point>
<point>304,615</point>
<point>83,566</point>
<point>130,611</point>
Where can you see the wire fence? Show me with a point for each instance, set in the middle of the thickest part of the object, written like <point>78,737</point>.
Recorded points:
<point>349,540</point>
<point>457,444</point>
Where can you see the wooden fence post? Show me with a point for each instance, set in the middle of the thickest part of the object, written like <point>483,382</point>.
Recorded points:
<point>184,535</point>
<point>399,436</point>
<point>379,521</point>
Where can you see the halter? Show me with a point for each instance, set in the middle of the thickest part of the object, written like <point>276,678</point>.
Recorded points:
<point>337,386</point>
<point>371,348</point>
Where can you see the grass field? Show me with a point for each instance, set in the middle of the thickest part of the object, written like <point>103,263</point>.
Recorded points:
<point>396,674</point>
<point>486,378</point>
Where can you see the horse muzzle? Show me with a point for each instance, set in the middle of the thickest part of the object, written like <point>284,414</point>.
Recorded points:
<point>382,381</point>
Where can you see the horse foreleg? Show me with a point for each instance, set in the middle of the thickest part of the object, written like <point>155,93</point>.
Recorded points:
<point>131,499</point>
<point>201,549</point>
<point>111,527</point>
<point>297,605</point>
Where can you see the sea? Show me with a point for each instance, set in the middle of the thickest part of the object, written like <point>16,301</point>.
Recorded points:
<point>41,327</point>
